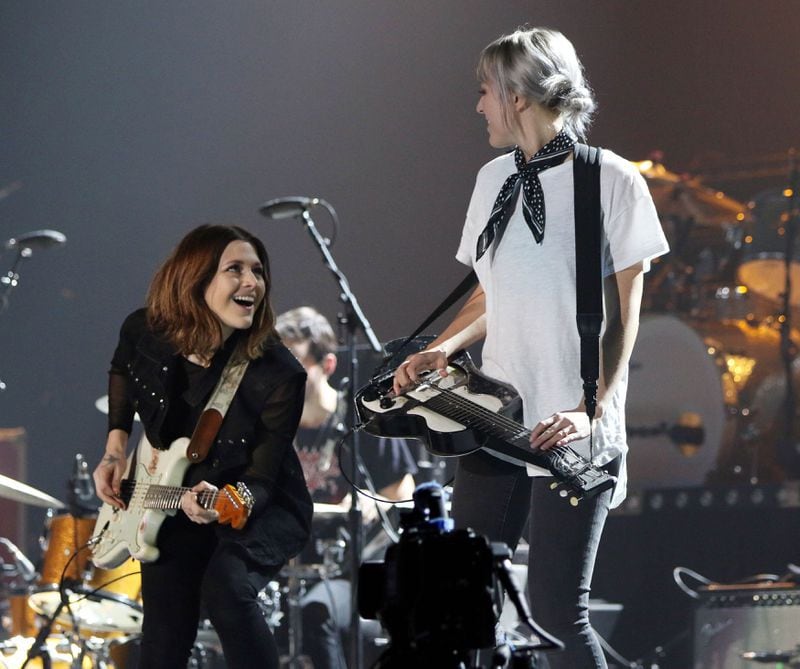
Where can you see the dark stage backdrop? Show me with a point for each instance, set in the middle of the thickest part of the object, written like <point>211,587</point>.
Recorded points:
<point>124,124</point>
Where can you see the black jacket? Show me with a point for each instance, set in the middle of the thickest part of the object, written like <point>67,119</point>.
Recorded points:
<point>253,445</point>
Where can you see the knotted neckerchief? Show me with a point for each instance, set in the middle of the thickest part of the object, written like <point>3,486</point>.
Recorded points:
<point>551,154</point>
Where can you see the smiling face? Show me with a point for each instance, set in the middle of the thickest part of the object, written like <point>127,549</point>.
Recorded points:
<point>491,106</point>
<point>237,288</point>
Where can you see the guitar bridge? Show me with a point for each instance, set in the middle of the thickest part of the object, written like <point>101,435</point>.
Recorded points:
<point>433,378</point>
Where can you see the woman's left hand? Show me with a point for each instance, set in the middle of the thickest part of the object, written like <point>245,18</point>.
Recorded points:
<point>560,429</point>
<point>191,507</point>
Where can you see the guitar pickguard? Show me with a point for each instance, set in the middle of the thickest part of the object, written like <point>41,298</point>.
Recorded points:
<point>132,532</point>
<point>414,401</point>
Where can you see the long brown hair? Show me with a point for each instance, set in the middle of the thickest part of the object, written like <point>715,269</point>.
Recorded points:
<point>176,305</point>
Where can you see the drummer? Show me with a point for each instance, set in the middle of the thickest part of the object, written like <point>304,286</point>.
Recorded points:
<point>326,606</point>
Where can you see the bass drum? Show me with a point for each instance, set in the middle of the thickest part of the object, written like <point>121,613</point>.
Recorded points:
<point>704,402</point>
<point>763,266</point>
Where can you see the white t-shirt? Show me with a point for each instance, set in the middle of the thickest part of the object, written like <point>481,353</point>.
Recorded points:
<point>532,340</point>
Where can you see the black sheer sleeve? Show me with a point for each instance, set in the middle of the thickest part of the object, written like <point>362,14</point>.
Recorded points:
<point>120,408</point>
<point>120,404</point>
<point>279,420</point>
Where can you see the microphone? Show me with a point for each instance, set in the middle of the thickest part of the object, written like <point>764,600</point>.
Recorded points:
<point>80,489</point>
<point>288,207</point>
<point>37,239</point>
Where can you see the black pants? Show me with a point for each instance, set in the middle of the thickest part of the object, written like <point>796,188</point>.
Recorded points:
<point>496,499</point>
<point>193,569</point>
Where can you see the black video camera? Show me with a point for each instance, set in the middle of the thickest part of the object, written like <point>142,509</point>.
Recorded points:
<point>436,592</point>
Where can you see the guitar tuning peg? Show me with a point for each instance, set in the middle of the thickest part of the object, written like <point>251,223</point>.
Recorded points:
<point>554,485</point>
<point>563,493</point>
<point>574,500</point>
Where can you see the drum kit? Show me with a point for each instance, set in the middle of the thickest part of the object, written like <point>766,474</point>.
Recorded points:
<point>66,613</point>
<point>715,368</point>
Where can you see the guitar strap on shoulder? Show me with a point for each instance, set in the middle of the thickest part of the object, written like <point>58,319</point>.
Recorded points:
<point>588,268</point>
<point>460,290</point>
<point>211,419</point>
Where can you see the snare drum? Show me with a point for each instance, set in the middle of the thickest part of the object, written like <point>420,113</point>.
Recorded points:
<point>65,551</point>
<point>65,555</point>
<point>100,600</point>
<point>113,600</point>
<point>724,377</point>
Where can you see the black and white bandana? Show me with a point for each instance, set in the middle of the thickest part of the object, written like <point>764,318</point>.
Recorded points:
<point>551,154</point>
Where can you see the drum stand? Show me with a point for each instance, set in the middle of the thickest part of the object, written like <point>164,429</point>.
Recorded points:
<point>298,576</point>
<point>296,590</point>
<point>39,648</point>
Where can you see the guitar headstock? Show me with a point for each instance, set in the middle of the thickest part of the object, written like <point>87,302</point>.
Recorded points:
<point>231,508</point>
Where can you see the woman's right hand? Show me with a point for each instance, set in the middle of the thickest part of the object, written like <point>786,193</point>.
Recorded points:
<point>407,374</point>
<point>109,472</point>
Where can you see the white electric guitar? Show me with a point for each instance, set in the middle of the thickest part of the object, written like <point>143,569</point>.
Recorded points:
<point>151,490</point>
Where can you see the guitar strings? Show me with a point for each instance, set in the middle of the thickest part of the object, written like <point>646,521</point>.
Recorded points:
<point>157,496</point>
<point>469,407</point>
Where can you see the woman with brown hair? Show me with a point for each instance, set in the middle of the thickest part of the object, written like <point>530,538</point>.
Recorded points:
<point>208,304</point>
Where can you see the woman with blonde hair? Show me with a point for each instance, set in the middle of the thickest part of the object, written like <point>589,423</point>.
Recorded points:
<point>519,238</point>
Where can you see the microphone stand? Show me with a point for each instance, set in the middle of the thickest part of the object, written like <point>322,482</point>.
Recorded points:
<point>788,349</point>
<point>24,245</point>
<point>351,320</point>
<point>10,281</point>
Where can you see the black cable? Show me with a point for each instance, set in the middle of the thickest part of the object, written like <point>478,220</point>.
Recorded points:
<point>613,653</point>
<point>361,491</point>
<point>34,651</point>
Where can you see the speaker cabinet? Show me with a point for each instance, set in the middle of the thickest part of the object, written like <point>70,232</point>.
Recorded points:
<point>729,622</point>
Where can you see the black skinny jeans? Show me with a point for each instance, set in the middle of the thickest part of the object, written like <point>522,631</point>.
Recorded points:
<point>193,569</point>
<point>496,498</point>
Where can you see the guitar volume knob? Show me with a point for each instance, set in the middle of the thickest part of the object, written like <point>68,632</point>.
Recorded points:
<point>386,402</point>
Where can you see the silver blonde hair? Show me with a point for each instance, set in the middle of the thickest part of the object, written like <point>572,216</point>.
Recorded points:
<point>540,65</point>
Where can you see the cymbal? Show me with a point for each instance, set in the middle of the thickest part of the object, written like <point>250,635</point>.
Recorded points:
<point>685,197</point>
<point>21,492</point>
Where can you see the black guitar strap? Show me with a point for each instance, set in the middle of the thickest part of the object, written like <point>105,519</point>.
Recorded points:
<point>588,271</point>
<point>460,290</point>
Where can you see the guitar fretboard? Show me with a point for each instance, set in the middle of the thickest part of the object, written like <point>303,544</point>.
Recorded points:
<point>162,497</point>
<point>477,417</point>
<point>514,438</point>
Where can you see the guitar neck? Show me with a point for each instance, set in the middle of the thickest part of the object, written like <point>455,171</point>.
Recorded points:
<point>163,497</point>
<point>476,417</point>
<point>513,439</point>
